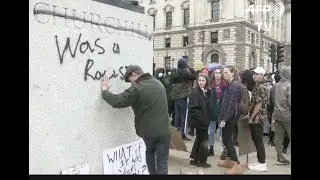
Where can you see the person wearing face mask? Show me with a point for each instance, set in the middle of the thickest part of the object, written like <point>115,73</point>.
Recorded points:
<point>200,115</point>
<point>160,75</point>
<point>147,97</point>
<point>168,85</point>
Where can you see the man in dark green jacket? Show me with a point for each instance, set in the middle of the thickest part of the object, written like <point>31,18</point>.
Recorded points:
<point>147,97</point>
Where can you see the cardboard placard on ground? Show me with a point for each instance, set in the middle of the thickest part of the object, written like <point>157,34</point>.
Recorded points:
<point>176,141</point>
<point>246,145</point>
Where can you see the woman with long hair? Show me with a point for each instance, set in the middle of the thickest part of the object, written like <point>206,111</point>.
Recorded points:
<point>229,117</point>
<point>200,116</point>
<point>218,85</point>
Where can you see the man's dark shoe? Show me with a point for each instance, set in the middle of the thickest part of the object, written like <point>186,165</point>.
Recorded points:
<point>211,152</point>
<point>283,162</point>
<point>223,155</point>
<point>284,150</point>
<point>193,162</point>
<point>172,123</point>
<point>204,165</point>
<point>271,143</point>
<point>191,133</point>
<point>185,138</point>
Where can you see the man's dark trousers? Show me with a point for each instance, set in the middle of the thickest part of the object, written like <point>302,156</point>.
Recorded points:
<point>157,154</point>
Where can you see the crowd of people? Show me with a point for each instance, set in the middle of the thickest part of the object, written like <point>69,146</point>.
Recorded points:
<point>206,103</point>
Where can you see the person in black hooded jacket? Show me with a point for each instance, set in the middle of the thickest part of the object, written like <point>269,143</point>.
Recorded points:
<point>200,115</point>
<point>182,80</point>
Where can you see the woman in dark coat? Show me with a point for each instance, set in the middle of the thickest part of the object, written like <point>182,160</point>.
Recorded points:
<point>200,116</point>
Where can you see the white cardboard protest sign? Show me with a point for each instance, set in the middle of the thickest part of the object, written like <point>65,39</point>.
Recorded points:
<point>126,159</point>
<point>82,169</point>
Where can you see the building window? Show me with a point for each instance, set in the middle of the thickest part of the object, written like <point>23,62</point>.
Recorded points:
<point>214,37</point>
<point>154,21</point>
<point>252,38</point>
<point>167,43</point>
<point>215,11</point>
<point>152,1</point>
<point>185,41</point>
<point>168,19</point>
<point>167,62</point>
<point>215,58</point>
<point>185,16</point>
<point>248,35</point>
<point>251,13</point>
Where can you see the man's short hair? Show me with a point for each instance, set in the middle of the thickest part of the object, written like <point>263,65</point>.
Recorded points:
<point>130,70</point>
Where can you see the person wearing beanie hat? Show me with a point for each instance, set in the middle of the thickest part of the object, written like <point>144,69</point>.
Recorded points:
<point>182,82</point>
<point>147,97</point>
<point>205,71</point>
<point>182,63</point>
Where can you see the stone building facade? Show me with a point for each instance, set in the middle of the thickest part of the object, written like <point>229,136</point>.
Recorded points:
<point>218,31</point>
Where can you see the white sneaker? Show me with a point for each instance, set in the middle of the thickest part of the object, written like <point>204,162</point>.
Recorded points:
<point>258,167</point>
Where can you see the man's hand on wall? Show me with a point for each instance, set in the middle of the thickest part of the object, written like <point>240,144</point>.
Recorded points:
<point>105,84</point>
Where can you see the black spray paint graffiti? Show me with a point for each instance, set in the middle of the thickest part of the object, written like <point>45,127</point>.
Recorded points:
<point>98,75</point>
<point>116,48</point>
<point>84,47</point>
<point>42,8</point>
<point>129,158</point>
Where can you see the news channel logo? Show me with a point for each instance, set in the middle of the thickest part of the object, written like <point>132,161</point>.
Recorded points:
<point>270,12</point>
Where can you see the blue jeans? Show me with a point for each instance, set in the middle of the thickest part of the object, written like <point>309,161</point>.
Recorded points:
<point>180,107</point>
<point>212,128</point>
<point>157,154</point>
<point>211,132</point>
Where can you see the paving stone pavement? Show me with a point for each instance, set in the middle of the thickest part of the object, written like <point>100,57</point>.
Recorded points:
<point>179,161</point>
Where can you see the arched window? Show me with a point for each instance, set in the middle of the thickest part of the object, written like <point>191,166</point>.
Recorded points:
<point>215,58</point>
<point>168,11</point>
<point>215,9</point>
<point>186,12</point>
